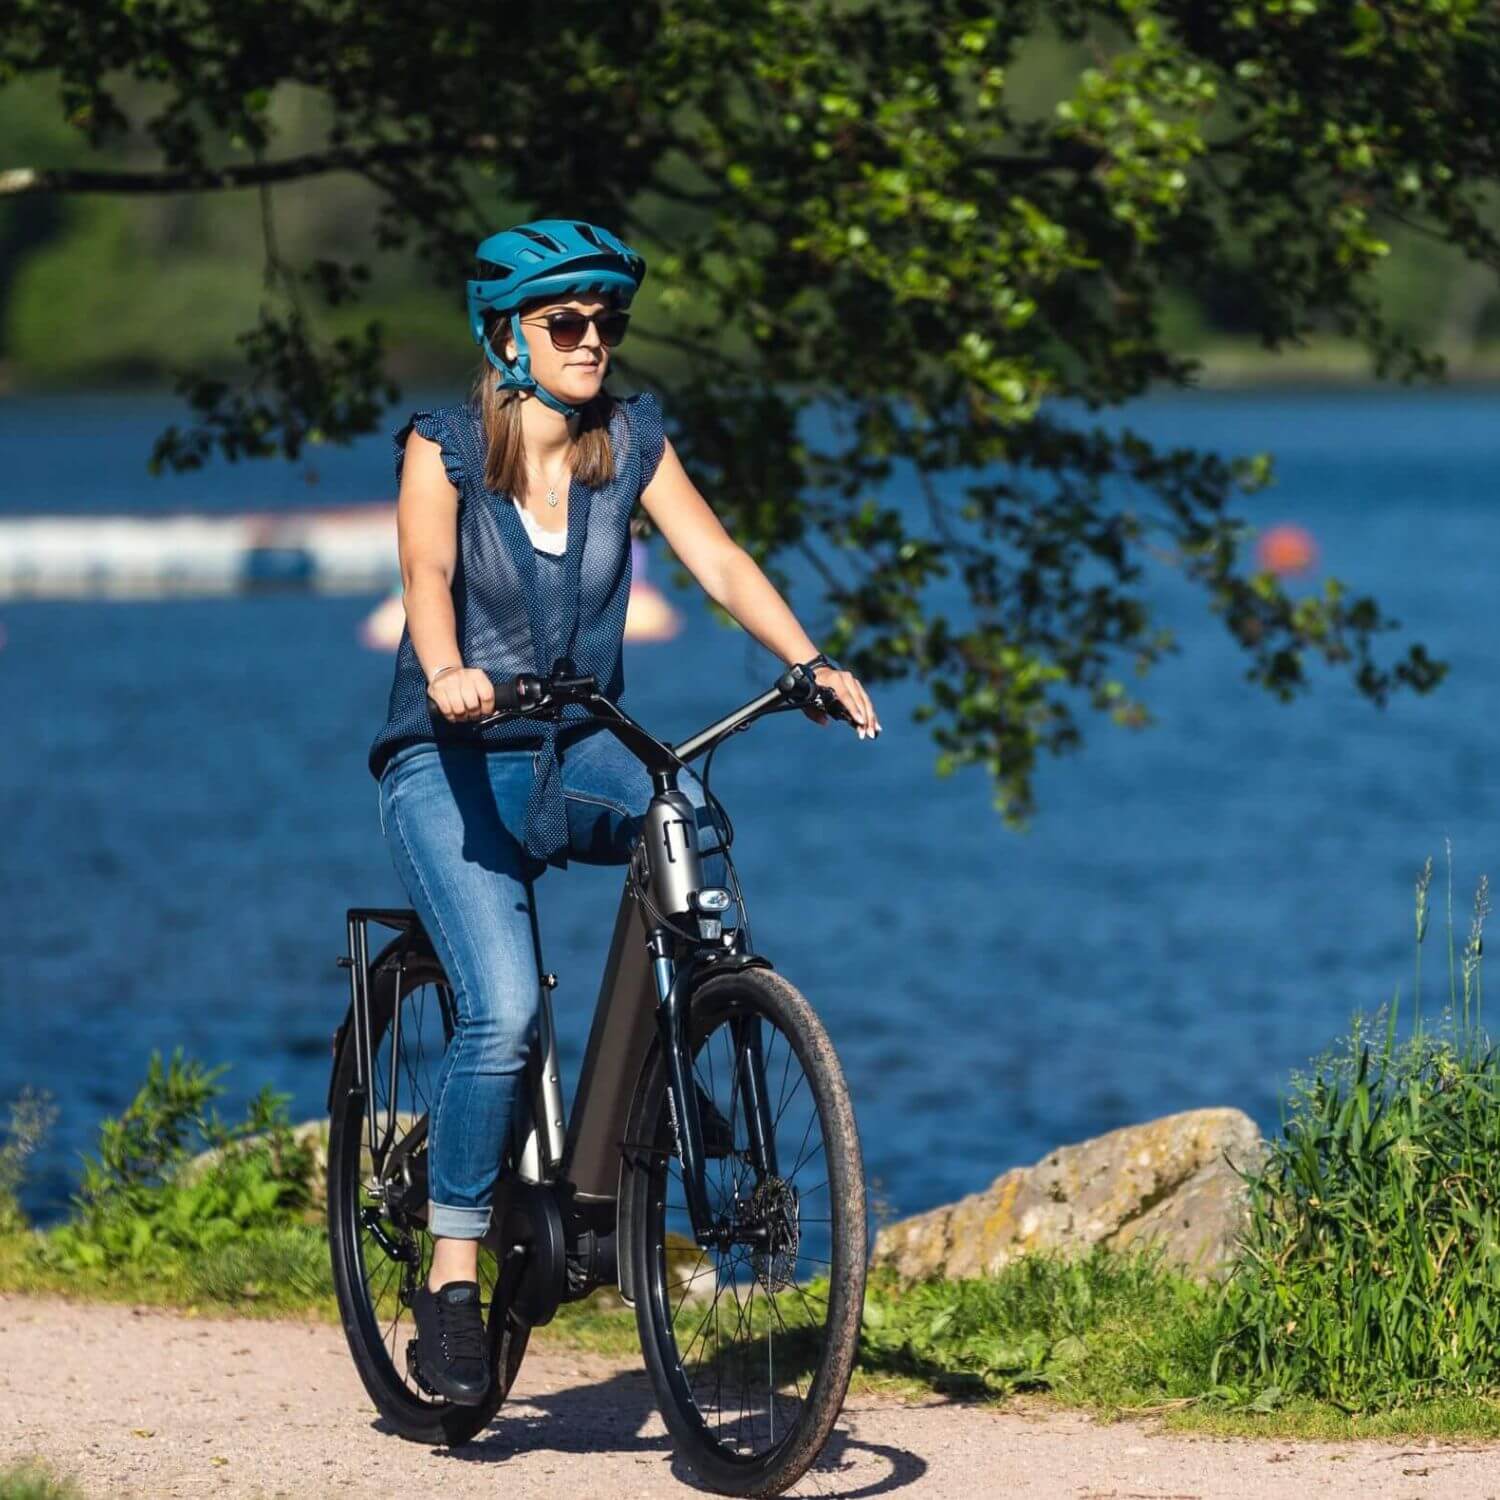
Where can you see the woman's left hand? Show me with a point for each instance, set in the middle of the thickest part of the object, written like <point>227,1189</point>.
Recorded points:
<point>848,689</point>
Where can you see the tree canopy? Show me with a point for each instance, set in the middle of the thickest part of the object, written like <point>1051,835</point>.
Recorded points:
<point>860,206</point>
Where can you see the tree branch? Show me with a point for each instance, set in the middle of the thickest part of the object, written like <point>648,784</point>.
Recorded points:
<point>18,181</point>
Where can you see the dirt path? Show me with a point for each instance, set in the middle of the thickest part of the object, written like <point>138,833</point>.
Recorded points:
<point>145,1403</point>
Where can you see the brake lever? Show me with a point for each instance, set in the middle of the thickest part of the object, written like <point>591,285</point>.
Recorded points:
<point>505,715</point>
<point>831,704</point>
<point>803,690</point>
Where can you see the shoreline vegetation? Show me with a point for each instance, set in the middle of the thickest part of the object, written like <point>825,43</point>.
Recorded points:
<point>1364,1302</point>
<point>1226,364</point>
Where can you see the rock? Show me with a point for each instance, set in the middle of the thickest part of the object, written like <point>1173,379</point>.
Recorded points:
<point>1164,1182</point>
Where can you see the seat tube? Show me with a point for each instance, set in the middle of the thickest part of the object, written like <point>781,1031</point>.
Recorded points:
<point>549,1096</point>
<point>543,1151</point>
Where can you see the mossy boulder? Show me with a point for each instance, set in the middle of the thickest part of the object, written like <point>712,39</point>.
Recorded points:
<point>1168,1182</point>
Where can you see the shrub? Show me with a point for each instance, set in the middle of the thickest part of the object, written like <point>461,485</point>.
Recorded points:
<point>31,1116</point>
<point>137,1205</point>
<point>1370,1274</point>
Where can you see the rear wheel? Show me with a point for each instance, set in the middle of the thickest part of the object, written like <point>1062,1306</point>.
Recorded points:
<point>750,1343</point>
<point>377,1210</point>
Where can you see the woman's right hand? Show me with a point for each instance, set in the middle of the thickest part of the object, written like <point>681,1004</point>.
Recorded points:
<point>463,695</point>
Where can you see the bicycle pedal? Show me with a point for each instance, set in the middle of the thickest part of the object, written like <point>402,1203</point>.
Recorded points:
<point>415,1370</point>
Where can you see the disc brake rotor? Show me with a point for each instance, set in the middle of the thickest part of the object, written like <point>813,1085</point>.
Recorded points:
<point>775,1205</point>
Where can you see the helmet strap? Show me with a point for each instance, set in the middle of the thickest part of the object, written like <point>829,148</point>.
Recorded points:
<point>518,376</point>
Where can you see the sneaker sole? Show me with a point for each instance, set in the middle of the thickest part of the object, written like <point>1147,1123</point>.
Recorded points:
<point>414,1369</point>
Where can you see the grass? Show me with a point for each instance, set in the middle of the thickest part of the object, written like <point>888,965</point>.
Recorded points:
<point>277,1274</point>
<point>33,1480</point>
<point>1365,1303</point>
<point>1370,1273</point>
<point>1117,1336</point>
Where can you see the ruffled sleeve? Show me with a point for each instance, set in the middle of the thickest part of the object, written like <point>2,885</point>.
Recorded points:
<point>646,432</point>
<point>434,426</point>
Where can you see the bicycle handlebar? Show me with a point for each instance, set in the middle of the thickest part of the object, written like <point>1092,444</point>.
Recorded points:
<point>531,695</point>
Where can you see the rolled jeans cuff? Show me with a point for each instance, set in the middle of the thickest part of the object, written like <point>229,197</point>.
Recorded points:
<point>457,1223</point>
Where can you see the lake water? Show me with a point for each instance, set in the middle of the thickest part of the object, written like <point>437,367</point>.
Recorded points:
<point>1196,911</point>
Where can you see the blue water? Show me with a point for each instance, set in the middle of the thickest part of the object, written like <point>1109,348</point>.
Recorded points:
<point>1195,912</point>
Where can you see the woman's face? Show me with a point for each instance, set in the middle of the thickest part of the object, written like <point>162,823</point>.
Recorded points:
<point>573,376</point>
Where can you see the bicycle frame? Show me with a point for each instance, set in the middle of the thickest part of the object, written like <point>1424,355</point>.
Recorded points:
<point>650,975</point>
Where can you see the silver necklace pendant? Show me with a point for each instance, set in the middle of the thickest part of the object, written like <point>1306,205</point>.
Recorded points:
<point>552,497</point>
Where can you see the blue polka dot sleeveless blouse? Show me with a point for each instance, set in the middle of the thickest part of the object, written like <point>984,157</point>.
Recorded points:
<point>518,609</point>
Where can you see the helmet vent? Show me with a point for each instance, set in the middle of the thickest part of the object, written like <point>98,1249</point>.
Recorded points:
<point>586,231</point>
<point>544,240</point>
<point>491,270</point>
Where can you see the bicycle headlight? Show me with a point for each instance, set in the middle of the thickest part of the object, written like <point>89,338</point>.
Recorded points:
<point>708,905</point>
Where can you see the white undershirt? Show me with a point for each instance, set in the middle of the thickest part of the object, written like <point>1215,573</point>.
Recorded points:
<point>555,542</point>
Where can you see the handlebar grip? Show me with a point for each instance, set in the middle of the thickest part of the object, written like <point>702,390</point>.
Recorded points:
<point>831,705</point>
<point>517,692</point>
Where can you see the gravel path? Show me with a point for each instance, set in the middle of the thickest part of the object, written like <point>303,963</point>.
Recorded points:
<point>136,1402</point>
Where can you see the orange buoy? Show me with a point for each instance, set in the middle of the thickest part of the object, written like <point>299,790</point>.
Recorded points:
<point>1287,549</point>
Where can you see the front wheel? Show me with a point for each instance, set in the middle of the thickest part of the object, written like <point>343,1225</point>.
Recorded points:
<point>750,1342</point>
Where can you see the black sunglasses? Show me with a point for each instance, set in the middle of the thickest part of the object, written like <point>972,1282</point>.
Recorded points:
<point>567,328</point>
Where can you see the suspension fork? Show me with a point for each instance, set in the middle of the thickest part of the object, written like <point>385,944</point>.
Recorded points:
<point>750,1068</point>
<point>682,1097</point>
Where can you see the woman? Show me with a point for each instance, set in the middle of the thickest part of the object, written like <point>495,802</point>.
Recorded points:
<point>513,524</point>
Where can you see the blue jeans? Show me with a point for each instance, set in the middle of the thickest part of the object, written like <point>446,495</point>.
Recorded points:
<point>452,817</point>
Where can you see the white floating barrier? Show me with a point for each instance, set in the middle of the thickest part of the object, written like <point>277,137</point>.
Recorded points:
<point>345,551</point>
<point>58,557</point>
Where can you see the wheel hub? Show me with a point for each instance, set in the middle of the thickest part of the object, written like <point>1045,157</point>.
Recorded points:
<point>774,1206</point>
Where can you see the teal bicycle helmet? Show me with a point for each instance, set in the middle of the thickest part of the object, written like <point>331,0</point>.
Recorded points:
<point>545,258</point>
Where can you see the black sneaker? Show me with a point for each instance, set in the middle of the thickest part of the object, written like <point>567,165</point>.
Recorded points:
<point>450,1354</point>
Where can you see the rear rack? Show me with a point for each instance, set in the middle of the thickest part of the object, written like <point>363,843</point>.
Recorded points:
<point>409,925</point>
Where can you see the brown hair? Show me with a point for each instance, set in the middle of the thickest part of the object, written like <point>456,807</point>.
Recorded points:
<point>505,444</point>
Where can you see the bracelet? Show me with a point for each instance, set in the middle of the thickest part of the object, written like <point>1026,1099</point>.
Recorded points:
<point>457,666</point>
<point>822,659</point>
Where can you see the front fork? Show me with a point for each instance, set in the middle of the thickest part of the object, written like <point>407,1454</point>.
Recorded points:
<point>748,1088</point>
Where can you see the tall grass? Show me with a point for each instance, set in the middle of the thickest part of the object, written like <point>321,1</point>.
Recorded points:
<point>31,1116</point>
<point>1370,1272</point>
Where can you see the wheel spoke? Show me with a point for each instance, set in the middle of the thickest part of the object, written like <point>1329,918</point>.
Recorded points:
<point>426,1016</point>
<point>746,1358</point>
